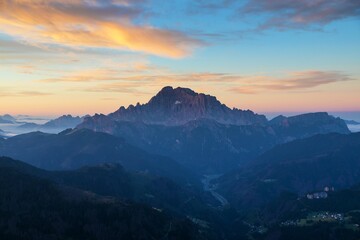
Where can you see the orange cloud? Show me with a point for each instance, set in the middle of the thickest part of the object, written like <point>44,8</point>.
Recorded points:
<point>83,23</point>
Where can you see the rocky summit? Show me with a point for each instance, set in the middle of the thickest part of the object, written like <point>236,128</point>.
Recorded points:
<point>177,106</point>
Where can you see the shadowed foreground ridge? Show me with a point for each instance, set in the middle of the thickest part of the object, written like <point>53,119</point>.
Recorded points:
<point>33,208</point>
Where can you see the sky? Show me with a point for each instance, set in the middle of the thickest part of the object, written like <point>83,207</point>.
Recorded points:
<point>92,56</point>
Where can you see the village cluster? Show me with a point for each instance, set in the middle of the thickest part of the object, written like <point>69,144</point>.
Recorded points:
<point>320,195</point>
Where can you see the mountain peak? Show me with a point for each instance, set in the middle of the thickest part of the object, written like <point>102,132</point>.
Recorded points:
<point>170,89</point>
<point>178,95</point>
<point>177,106</point>
<point>7,119</point>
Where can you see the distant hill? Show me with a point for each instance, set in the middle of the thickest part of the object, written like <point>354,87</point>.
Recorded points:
<point>55,125</point>
<point>306,125</point>
<point>29,126</point>
<point>65,121</point>
<point>7,119</point>
<point>299,167</point>
<point>35,208</point>
<point>352,122</point>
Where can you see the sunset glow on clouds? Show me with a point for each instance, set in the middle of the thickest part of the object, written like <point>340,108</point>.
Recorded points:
<point>89,24</point>
<point>87,56</point>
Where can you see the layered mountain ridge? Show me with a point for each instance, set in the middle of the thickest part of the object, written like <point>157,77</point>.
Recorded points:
<point>179,106</point>
<point>55,125</point>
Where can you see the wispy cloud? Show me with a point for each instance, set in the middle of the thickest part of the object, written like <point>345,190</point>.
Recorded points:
<point>10,93</point>
<point>303,14</point>
<point>295,81</point>
<point>86,76</point>
<point>117,87</point>
<point>81,23</point>
<point>141,73</point>
<point>112,80</point>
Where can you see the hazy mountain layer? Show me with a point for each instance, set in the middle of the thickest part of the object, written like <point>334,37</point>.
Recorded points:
<point>55,125</point>
<point>81,147</point>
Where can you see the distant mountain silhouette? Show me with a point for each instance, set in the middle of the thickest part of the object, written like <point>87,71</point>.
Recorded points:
<point>299,167</point>
<point>55,125</point>
<point>7,119</point>
<point>352,122</point>
<point>65,121</point>
<point>306,125</point>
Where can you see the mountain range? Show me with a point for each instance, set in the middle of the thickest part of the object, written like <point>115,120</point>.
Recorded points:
<point>202,133</point>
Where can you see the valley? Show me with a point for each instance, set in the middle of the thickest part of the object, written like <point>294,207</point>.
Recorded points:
<point>212,189</point>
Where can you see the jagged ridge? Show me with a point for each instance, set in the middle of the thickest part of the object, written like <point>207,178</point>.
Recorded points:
<point>181,105</point>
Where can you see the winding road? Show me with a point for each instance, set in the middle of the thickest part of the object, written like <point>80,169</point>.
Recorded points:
<point>211,188</point>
